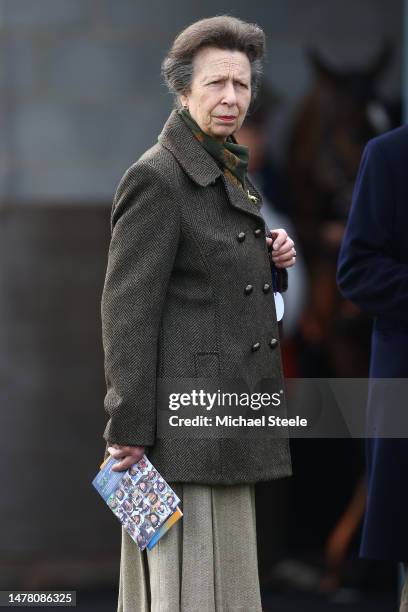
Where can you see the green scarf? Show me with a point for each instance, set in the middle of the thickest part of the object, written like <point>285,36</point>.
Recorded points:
<point>230,155</point>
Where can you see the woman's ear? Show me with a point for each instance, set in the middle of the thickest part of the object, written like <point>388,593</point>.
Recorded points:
<point>184,100</point>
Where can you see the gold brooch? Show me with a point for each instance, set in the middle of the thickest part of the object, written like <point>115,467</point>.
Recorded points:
<point>252,197</point>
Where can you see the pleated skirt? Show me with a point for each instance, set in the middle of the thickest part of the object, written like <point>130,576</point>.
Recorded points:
<point>207,562</point>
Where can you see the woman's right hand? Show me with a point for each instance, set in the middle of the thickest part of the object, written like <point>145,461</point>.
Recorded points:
<point>128,454</point>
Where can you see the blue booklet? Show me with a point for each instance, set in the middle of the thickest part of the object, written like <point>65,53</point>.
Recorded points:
<point>140,498</point>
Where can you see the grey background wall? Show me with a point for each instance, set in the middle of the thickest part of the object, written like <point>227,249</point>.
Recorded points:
<point>80,89</point>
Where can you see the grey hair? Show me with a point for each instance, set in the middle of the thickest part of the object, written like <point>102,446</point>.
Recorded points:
<point>222,32</point>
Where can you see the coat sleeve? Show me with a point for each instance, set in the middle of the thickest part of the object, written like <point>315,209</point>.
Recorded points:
<point>368,272</point>
<point>145,229</point>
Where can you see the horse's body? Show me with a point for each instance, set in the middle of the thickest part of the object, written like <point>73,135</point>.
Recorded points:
<point>333,124</point>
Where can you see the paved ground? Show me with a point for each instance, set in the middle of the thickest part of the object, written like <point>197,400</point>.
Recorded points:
<point>345,601</point>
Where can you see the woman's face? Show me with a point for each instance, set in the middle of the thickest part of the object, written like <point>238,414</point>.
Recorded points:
<point>220,88</point>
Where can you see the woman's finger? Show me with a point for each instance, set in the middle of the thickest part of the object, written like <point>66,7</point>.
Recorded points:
<point>125,464</point>
<point>286,264</point>
<point>117,453</point>
<point>279,236</point>
<point>283,258</point>
<point>286,247</point>
<point>285,251</point>
<point>121,466</point>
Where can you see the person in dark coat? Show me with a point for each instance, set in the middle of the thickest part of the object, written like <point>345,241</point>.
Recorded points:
<point>373,273</point>
<point>188,293</point>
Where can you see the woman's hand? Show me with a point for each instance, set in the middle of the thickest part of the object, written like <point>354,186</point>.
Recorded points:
<point>283,249</point>
<point>128,454</point>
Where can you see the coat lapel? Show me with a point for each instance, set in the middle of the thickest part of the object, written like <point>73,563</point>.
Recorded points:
<point>239,198</point>
<point>177,137</point>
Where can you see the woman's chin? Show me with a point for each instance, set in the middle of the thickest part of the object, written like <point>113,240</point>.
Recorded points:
<point>223,131</point>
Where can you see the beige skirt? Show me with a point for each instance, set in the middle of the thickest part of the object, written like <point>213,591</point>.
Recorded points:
<point>206,562</point>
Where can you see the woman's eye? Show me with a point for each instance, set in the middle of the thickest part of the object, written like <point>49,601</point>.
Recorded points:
<point>219,81</point>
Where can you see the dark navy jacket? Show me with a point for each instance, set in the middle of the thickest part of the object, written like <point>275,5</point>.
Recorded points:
<point>373,273</point>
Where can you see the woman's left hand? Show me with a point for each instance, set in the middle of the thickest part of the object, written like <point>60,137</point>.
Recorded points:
<point>127,456</point>
<point>283,249</point>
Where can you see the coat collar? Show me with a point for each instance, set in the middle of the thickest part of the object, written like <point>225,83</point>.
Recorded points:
<point>194,159</point>
<point>177,137</point>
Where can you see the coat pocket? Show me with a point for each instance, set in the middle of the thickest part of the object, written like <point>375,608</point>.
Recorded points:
<point>206,364</point>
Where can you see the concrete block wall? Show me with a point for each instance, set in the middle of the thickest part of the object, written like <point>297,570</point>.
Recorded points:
<point>80,87</point>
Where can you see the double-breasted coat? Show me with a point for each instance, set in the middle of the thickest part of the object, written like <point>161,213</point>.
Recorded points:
<point>373,273</point>
<point>185,244</point>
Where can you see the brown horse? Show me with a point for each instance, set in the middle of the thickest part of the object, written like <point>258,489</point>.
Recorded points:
<point>334,122</point>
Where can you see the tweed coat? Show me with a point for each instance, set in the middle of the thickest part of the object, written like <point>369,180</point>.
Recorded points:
<point>185,243</point>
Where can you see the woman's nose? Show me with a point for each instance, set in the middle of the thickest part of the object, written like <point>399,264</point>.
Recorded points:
<point>229,96</point>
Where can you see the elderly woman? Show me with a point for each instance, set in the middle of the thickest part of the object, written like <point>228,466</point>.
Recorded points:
<point>188,293</point>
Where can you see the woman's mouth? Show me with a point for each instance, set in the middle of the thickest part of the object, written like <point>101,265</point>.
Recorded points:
<point>227,118</point>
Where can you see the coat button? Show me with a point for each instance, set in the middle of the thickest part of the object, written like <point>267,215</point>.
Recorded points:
<point>266,287</point>
<point>273,343</point>
<point>241,237</point>
<point>257,232</point>
<point>256,346</point>
<point>248,289</point>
